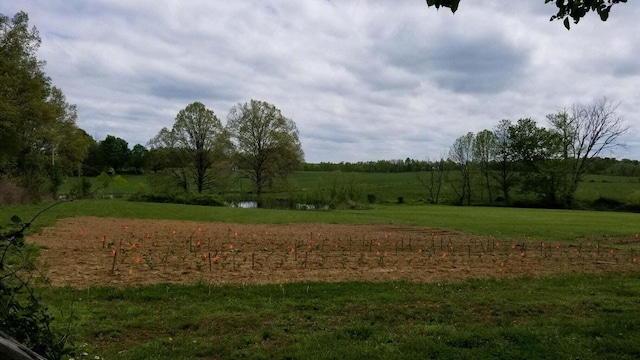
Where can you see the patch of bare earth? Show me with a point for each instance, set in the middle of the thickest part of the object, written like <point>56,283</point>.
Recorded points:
<point>89,251</point>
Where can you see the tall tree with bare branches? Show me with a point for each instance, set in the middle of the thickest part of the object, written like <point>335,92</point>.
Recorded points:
<point>461,153</point>
<point>585,132</point>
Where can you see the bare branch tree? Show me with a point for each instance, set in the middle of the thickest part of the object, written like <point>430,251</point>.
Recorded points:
<point>433,183</point>
<point>461,153</point>
<point>484,149</point>
<point>586,133</point>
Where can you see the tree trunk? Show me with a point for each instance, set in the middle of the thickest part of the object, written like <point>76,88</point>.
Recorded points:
<point>13,350</point>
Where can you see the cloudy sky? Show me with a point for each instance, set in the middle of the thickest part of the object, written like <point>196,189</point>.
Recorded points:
<point>363,80</point>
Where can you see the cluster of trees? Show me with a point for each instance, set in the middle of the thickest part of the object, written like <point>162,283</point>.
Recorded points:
<point>39,139</point>
<point>258,141</point>
<point>379,166</point>
<point>112,155</point>
<point>40,143</point>
<point>547,162</point>
<point>600,166</point>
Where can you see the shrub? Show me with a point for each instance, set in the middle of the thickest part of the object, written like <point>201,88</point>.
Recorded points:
<point>81,187</point>
<point>10,193</point>
<point>199,199</point>
<point>205,200</point>
<point>22,315</point>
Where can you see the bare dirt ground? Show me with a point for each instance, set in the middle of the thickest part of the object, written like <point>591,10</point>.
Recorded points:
<point>90,251</point>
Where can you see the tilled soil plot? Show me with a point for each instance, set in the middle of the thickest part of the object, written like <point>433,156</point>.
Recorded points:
<point>90,251</point>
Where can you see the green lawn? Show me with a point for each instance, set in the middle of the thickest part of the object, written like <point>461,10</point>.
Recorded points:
<point>559,317</point>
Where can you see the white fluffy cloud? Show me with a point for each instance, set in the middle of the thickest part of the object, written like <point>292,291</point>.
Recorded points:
<point>363,80</point>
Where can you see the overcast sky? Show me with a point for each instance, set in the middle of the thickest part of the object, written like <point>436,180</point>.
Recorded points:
<point>363,80</point>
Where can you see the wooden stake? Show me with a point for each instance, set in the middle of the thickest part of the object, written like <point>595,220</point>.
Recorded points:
<point>113,266</point>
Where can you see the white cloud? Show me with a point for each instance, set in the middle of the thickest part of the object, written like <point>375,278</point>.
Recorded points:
<point>363,80</point>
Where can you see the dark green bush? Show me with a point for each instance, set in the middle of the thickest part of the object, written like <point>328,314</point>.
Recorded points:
<point>199,199</point>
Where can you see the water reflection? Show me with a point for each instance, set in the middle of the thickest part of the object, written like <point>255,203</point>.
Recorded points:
<point>254,205</point>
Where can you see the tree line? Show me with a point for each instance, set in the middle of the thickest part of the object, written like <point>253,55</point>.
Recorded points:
<point>600,166</point>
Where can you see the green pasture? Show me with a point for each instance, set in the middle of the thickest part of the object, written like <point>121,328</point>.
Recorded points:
<point>387,188</point>
<point>619,188</point>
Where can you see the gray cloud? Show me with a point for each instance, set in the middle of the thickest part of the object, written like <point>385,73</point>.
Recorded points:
<point>362,80</point>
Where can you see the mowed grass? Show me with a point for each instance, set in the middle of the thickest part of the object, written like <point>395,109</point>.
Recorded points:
<point>559,317</point>
<point>541,224</point>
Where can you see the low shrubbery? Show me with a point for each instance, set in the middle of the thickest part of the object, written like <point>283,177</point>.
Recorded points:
<point>10,193</point>
<point>188,199</point>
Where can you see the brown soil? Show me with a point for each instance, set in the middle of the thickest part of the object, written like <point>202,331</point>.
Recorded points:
<point>91,251</point>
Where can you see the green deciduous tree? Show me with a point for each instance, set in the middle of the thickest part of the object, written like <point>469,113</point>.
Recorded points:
<point>536,152</point>
<point>39,140</point>
<point>139,158</point>
<point>197,145</point>
<point>114,153</point>
<point>267,143</point>
<point>567,9</point>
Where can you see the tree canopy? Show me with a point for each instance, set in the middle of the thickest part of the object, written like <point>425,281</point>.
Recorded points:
<point>195,145</point>
<point>567,10</point>
<point>267,143</point>
<point>39,139</point>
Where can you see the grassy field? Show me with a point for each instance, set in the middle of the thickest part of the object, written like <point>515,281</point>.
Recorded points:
<point>563,317</point>
<point>386,187</point>
<point>586,316</point>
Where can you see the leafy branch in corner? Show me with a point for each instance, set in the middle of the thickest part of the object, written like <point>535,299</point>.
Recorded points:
<point>23,317</point>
